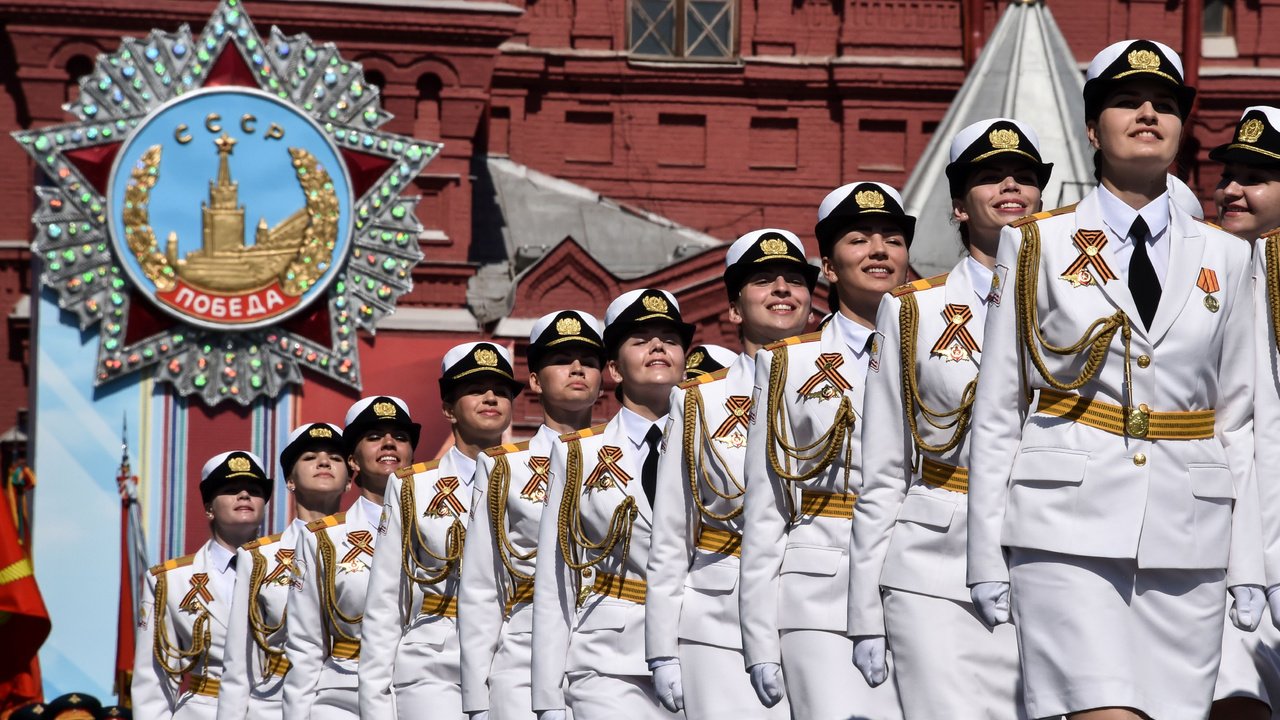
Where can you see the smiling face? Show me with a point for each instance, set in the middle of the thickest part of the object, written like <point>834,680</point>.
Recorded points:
<point>869,260</point>
<point>381,451</point>
<point>237,507</point>
<point>772,304</point>
<point>648,359</point>
<point>480,411</point>
<point>1248,199</point>
<point>996,193</point>
<point>568,379</point>
<point>1138,129</point>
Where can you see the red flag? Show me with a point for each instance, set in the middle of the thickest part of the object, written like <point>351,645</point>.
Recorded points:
<point>24,621</point>
<point>126,624</point>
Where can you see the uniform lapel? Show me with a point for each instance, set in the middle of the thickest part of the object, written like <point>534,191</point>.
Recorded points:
<point>1186,251</point>
<point>1089,217</point>
<point>220,608</point>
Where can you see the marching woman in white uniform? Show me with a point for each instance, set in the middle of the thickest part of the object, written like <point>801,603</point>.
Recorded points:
<point>804,470</point>
<point>1248,203</point>
<point>495,611</point>
<point>331,568</point>
<point>593,541</point>
<point>254,666</point>
<point>694,643</point>
<point>183,628</point>
<point>909,525</point>
<point>410,666</point>
<point>1108,519</point>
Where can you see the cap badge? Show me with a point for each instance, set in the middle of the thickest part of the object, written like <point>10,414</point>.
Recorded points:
<point>239,464</point>
<point>654,303</point>
<point>1251,130</point>
<point>320,432</point>
<point>568,326</point>
<point>384,409</point>
<point>1143,60</point>
<point>869,199</point>
<point>1004,139</point>
<point>694,360</point>
<point>486,357</point>
<point>773,246</point>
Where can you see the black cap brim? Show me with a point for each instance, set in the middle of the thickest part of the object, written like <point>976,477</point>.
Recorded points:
<point>833,227</point>
<point>1097,90</point>
<point>958,173</point>
<point>615,333</point>
<point>352,433</point>
<point>736,275</point>
<point>1243,154</point>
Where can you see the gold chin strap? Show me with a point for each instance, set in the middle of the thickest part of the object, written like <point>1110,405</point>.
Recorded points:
<point>259,628</point>
<point>1096,338</point>
<point>695,420</point>
<point>821,451</point>
<point>574,542</point>
<point>908,324</point>
<point>173,660</point>
<point>327,580</point>
<point>410,539</point>
<point>1272,249</point>
<point>499,486</point>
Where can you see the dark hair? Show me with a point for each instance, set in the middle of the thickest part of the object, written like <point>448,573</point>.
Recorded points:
<point>963,228</point>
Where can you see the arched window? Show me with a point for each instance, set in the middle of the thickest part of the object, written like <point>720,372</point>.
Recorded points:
<point>77,67</point>
<point>1219,20</point>
<point>426,121</point>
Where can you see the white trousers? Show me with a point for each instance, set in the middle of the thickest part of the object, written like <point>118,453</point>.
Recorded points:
<point>336,703</point>
<point>1099,632</point>
<point>1250,665</point>
<point>261,709</point>
<point>592,696</point>
<point>510,691</point>
<point>823,683</point>
<point>196,707</point>
<point>718,687</point>
<point>944,658</point>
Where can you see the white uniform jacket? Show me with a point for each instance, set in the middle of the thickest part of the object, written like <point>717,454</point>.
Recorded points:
<point>1267,402</point>
<point>693,589</point>
<point>495,611</point>
<point>403,613</point>
<point>909,534</point>
<point>795,565</point>
<point>181,599</point>
<point>574,628</point>
<point>1051,483</point>
<point>252,680</point>
<point>327,604</point>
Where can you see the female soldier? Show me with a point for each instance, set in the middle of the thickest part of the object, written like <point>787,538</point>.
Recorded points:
<point>1114,494</point>
<point>495,617</point>
<point>254,666</point>
<point>909,528</point>
<point>410,628</point>
<point>804,468</point>
<point>183,628</point>
<point>593,542</point>
<point>326,607</point>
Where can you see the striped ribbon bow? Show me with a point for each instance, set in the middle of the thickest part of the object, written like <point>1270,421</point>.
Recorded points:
<point>827,364</point>
<point>1090,243</point>
<point>607,466</point>
<point>957,316</point>
<point>284,563</point>
<point>199,588</point>
<point>446,500</point>
<point>739,407</point>
<point>361,544</point>
<point>536,488</point>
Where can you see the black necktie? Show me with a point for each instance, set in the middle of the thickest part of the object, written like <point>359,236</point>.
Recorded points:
<point>1143,283</point>
<point>649,473</point>
<point>232,565</point>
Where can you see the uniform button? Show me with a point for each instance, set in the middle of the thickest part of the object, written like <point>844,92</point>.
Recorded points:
<point>586,572</point>
<point>1144,360</point>
<point>1139,459</point>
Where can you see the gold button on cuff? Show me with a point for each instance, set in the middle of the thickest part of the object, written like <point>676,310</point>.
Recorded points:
<point>1139,459</point>
<point>1144,361</point>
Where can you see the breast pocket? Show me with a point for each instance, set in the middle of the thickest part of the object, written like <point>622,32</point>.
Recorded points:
<point>1212,482</point>
<point>712,578</point>
<point>815,561</point>
<point>926,510</point>
<point>1048,467</point>
<point>603,617</point>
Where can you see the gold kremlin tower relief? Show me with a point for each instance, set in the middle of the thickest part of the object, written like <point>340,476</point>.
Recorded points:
<point>295,253</point>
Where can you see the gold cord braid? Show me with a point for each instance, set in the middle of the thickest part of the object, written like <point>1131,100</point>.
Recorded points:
<point>411,538</point>
<point>258,626</point>
<point>499,486</point>
<point>1097,337</point>
<point>571,535</point>
<point>173,660</point>
<point>1272,249</point>
<point>823,450</point>
<point>695,419</point>
<point>327,580</point>
<point>908,324</point>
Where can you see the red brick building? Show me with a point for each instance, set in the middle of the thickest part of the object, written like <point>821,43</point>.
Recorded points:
<point>686,121</point>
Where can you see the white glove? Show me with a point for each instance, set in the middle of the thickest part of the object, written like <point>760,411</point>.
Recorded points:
<point>551,714</point>
<point>1273,599</point>
<point>1246,611</point>
<point>869,657</point>
<point>666,683</point>
<point>991,599</point>
<point>766,678</point>
<point>479,715</point>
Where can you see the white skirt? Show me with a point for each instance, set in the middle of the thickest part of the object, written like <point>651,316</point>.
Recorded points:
<point>1099,632</point>
<point>1250,662</point>
<point>824,684</point>
<point>717,686</point>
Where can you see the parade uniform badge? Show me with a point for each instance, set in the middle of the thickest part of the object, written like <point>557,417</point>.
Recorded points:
<point>361,542</point>
<point>1090,243</point>
<point>607,471</point>
<point>731,432</point>
<point>283,569</point>
<point>827,383</point>
<point>535,491</point>
<point>1208,282</point>
<point>956,343</point>
<point>193,603</point>
<point>445,502</point>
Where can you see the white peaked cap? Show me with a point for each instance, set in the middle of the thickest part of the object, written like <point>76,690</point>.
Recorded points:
<point>837,196</point>
<point>366,402</point>
<point>625,300</point>
<point>297,432</point>
<point>545,321</point>
<point>967,136</point>
<point>457,352</point>
<point>720,354</point>
<point>1103,60</point>
<point>744,243</point>
<point>217,460</point>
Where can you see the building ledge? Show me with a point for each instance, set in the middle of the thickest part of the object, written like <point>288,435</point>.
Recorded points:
<point>430,320</point>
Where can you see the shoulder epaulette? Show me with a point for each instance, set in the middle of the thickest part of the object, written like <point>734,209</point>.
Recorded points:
<point>579,434</point>
<point>405,473</point>
<point>498,450</point>
<point>1211,224</point>
<point>173,563</point>
<point>704,378</point>
<point>1043,215</point>
<point>262,541</point>
<point>921,284</point>
<point>795,340</point>
<point>327,522</point>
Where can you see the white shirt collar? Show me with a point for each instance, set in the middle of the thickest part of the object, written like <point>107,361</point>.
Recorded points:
<point>1119,216</point>
<point>220,557</point>
<point>464,466</point>
<point>854,334</point>
<point>371,511</point>
<point>544,437</point>
<point>980,277</point>
<point>637,427</point>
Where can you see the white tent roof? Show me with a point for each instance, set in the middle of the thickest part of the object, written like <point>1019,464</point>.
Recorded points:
<point>1025,72</point>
